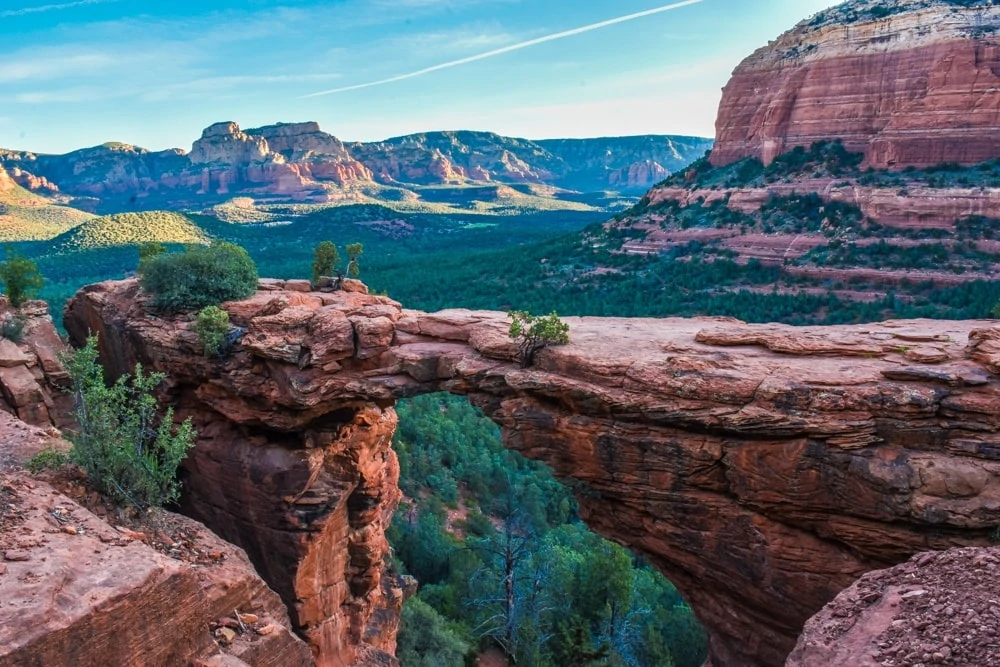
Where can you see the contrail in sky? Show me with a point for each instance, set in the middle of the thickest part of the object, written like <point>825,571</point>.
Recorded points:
<point>7,13</point>
<point>508,49</point>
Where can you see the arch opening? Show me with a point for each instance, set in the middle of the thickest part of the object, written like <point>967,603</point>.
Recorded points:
<point>506,566</point>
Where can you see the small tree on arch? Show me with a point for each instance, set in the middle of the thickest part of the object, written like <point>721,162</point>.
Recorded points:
<point>325,261</point>
<point>353,251</point>
<point>534,333</point>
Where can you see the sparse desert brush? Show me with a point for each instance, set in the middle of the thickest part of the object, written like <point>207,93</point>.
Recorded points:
<point>123,229</point>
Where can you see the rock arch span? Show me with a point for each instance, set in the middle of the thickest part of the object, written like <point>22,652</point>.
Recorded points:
<point>762,468</point>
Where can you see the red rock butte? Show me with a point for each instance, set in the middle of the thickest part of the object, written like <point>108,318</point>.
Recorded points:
<point>905,83</point>
<point>762,468</point>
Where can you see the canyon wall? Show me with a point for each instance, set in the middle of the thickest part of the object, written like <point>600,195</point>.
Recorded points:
<point>905,83</point>
<point>32,376</point>
<point>762,468</point>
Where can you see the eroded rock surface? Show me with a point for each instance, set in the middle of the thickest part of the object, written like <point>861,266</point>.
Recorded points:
<point>762,468</point>
<point>77,592</point>
<point>935,609</point>
<point>904,82</point>
<point>32,377</point>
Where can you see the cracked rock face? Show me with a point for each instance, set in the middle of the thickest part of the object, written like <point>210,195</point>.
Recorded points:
<point>762,468</point>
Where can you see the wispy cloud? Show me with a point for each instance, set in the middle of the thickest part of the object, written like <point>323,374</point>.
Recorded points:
<point>447,42</point>
<point>23,67</point>
<point>75,95</point>
<point>11,13</point>
<point>508,49</point>
<point>199,88</point>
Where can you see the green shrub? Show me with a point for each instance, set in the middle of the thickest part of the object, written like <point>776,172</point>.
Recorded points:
<point>20,277</point>
<point>129,450</point>
<point>353,251</point>
<point>212,327</point>
<point>426,640</point>
<point>325,261</point>
<point>49,459</point>
<point>534,333</point>
<point>198,277</point>
<point>148,251</point>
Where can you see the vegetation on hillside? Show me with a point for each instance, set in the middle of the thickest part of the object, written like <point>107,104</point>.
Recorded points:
<point>830,159</point>
<point>126,229</point>
<point>25,216</point>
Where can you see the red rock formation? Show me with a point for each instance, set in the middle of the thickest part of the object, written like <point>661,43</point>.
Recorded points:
<point>299,161</point>
<point>97,597</point>
<point>913,83</point>
<point>914,207</point>
<point>762,468</point>
<point>32,377</point>
<point>31,182</point>
<point>937,608</point>
<point>76,591</point>
<point>305,486</point>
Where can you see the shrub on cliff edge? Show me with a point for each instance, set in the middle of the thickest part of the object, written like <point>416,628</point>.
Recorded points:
<point>129,449</point>
<point>212,327</point>
<point>20,277</point>
<point>198,277</point>
<point>325,261</point>
<point>534,333</point>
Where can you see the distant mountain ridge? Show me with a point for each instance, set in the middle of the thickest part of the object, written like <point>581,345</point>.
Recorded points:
<point>301,162</point>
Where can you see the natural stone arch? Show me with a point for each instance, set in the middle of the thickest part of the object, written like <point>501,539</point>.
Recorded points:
<point>761,468</point>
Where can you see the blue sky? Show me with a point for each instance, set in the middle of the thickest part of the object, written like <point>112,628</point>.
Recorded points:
<point>77,73</point>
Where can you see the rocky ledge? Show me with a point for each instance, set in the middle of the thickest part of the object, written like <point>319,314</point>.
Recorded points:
<point>77,591</point>
<point>32,376</point>
<point>762,468</point>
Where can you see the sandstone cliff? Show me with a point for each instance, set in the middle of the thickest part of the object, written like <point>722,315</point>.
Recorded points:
<point>762,468</point>
<point>906,83</point>
<point>32,376</point>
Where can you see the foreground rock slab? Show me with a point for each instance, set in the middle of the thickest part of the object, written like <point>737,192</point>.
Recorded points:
<point>937,609</point>
<point>762,468</point>
<point>75,592</point>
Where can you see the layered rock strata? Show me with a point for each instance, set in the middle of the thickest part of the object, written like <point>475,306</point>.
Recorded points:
<point>32,376</point>
<point>305,487</point>
<point>905,83</point>
<point>762,468</point>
